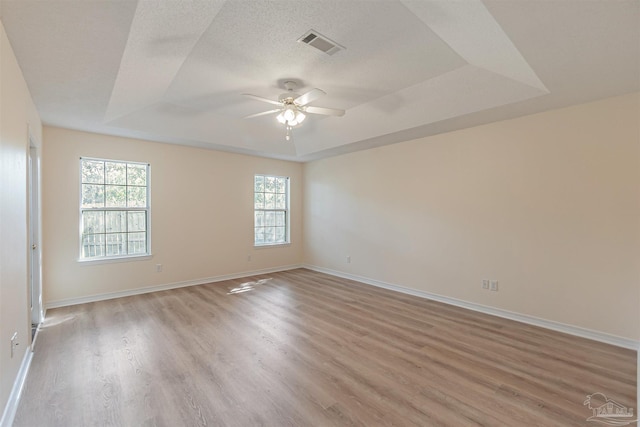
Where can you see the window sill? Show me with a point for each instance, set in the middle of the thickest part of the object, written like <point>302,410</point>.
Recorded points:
<point>271,245</point>
<point>111,260</point>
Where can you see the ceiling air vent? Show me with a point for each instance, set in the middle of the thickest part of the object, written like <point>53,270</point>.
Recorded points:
<point>320,42</point>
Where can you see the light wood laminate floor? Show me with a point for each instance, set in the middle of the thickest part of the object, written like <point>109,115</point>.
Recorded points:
<point>301,348</point>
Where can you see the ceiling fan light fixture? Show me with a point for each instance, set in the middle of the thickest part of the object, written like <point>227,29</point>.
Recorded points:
<point>289,114</point>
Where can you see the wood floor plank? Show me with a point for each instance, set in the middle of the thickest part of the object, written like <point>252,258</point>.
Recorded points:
<point>302,348</point>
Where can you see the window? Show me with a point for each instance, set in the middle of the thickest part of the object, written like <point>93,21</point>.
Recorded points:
<point>114,209</point>
<point>271,210</point>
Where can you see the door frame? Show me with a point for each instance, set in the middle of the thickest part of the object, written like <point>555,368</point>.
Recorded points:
<point>35,232</point>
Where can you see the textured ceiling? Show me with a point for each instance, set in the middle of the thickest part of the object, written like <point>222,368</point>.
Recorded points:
<point>174,71</point>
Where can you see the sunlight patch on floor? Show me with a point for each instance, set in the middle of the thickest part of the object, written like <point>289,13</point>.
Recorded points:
<point>248,286</point>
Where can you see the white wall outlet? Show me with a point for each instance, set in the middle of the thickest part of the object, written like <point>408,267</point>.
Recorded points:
<point>493,285</point>
<point>348,259</point>
<point>158,268</point>
<point>485,284</point>
<point>14,343</point>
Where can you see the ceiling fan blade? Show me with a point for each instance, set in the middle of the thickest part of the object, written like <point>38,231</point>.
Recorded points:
<point>264,113</point>
<point>325,111</point>
<point>308,97</point>
<point>259,98</point>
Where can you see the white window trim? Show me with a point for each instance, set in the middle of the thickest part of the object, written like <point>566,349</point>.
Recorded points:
<point>287,241</point>
<point>115,258</point>
<point>270,245</point>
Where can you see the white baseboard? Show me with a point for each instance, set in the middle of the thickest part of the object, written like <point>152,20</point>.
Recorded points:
<point>524,318</point>
<point>156,288</point>
<point>11,407</point>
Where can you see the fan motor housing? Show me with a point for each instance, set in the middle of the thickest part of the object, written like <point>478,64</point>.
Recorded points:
<point>288,97</point>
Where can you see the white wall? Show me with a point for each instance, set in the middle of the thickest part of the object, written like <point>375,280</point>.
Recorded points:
<point>547,204</point>
<point>17,115</point>
<point>201,215</point>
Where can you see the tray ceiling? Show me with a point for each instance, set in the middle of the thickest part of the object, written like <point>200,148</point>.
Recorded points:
<point>174,71</point>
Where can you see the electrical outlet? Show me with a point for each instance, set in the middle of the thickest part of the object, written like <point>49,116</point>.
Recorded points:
<point>348,259</point>
<point>14,343</point>
<point>158,268</point>
<point>485,284</point>
<point>248,258</point>
<point>493,285</point>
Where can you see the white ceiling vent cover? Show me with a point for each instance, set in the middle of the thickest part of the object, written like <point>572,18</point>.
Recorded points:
<point>320,42</point>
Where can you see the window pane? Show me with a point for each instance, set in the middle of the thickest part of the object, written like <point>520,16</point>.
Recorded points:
<point>259,235</point>
<point>137,243</point>
<point>137,221</point>
<point>280,235</point>
<point>269,184</point>
<point>269,219</point>
<point>116,244</point>
<point>259,184</point>
<point>93,222</point>
<point>115,173</point>
<point>259,219</point>
<point>281,185</point>
<point>137,196</point>
<point>136,175</point>
<point>116,196</point>
<point>92,196</point>
<point>115,222</point>
<point>281,201</point>
<point>92,171</point>
<point>93,245</point>
<point>269,201</point>
<point>259,201</point>
<point>269,234</point>
<point>280,218</point>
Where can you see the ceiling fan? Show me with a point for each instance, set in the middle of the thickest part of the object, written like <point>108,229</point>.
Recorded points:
<point>292,108</point>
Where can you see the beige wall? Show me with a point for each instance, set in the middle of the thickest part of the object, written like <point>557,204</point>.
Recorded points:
<point>548,205</point>
<point>201,215</point>
<point>17,115</point>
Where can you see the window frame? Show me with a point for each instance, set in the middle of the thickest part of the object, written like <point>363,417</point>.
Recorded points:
<point>147,209</point>
<point>286,210</point>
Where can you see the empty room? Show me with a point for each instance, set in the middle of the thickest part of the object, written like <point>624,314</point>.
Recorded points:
<point>319,213</point>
